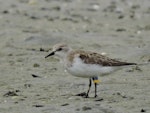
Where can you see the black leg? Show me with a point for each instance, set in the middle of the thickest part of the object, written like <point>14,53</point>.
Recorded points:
<point>95,90</point>
<point>90,84</point>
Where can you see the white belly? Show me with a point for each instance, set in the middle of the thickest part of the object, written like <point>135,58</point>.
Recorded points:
<point>81,69</point>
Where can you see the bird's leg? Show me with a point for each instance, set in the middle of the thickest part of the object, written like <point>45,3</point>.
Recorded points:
<point>96,81</point>
<point>95,90</point>
<point>90,84</point>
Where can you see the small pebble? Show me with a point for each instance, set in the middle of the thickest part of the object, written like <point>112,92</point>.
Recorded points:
<point>121,17</point>
<point>36,65</point>
<point>66,104</point>
<point>27,85</point>
<point>38,106</point>
<point>143,110</point>
<point>10,54</point>
<point>120,29</point>
<point>34,17</point>
<point>57,8</point>
<point>10,93</point>
<point>101,99</point>
<point>96,7</point>
<point>35,76</point>
<point>41,49</point>
<point>16,102</point>
<point>32,2</point>
<point>77,109</point>
<point>85,108</point>
<point>5,12</point>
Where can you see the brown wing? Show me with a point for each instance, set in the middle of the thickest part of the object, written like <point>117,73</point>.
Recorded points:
<point>95,58</point>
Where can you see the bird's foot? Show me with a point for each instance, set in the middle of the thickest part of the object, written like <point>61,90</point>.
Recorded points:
<point>87,96</point>
<point>95,96</point>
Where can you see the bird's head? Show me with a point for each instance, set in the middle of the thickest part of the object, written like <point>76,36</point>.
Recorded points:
<point>59,50</point>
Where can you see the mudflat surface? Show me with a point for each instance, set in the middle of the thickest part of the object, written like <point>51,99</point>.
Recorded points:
<point>30,83</point>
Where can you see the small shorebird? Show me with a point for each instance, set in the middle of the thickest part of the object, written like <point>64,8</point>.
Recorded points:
<point>86,64</point>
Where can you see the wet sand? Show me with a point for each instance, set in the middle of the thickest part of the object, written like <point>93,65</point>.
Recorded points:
<point>30,83</point>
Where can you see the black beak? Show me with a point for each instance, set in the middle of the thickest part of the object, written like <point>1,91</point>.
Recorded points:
<point>52,53</point>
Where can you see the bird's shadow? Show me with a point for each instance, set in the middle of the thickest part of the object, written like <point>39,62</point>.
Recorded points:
<point>83,94</point>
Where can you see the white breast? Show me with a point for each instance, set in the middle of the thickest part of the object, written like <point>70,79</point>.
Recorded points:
<point>80,69</point>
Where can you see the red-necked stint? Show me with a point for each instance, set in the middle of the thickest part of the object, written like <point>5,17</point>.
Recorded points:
<point>86,64</point>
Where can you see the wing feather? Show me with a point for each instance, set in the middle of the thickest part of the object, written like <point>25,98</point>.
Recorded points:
<point>95,58</point>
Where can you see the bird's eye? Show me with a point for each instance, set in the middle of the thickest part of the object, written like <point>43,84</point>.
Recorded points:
<point>59,49</point>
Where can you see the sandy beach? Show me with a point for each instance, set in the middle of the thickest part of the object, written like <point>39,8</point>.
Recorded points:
<point>30,83</point>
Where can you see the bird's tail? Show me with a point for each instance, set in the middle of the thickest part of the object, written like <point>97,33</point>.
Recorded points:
<point>130,63</point>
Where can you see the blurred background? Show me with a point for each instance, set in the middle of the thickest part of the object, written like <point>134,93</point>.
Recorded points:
<point>29,28</point>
